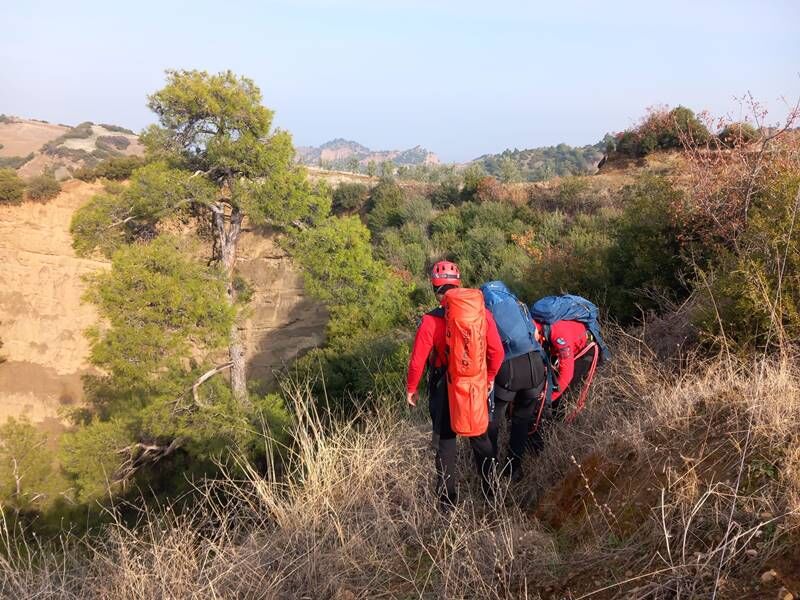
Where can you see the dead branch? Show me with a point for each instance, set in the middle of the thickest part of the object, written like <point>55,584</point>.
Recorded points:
<point>205,377</point>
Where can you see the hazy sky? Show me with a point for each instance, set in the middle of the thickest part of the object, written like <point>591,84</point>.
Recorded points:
<point>461,78</point>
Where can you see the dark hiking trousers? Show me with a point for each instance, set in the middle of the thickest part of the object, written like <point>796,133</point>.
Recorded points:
<point>558,411</point>
<point>519,382</point>
<point>447,445</point>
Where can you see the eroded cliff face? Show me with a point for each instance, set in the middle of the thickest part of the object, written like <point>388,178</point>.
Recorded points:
<point>280,321</point>
<point>42,315</point>
<point>43,318</point>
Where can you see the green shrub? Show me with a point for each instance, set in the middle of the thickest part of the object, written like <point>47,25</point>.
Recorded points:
<point>12,187</point>
<point>81,131</point>
<point>385,206</point>
<point>112,143</point>
<point>574,195</point>
<point>117,128</point>
<point>348,197</point>
<point>665,130</point>
<point>117,168</point>
<point>756,291</point>
<point>43,187</point>
<point>14,162</point>
<point>27,477</point>
<point>363,372</point>
<point>738,133</point>
<point>340,269</point>
<point>628,144</point>
<point>447,193</point>
<point>76,154</point>
<point>645,255</point>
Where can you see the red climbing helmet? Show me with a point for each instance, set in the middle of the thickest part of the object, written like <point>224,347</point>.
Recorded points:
<point>445,273</point>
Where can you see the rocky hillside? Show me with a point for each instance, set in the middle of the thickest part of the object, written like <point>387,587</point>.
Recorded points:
<point>346,154</point>
<point>33,147</point>
<point>43,318</point>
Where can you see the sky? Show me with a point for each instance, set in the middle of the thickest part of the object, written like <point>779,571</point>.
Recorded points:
<point>460,77</point>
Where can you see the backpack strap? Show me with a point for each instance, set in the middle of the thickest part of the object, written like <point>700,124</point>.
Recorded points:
<point>437,312</point>
<point>437,373</point>
<point>586,382</point>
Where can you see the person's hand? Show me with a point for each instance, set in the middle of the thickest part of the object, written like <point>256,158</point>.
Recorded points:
<point>491,386</point>
<point>412,397</point>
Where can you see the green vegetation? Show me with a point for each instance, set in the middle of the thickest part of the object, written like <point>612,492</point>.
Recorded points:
<point>117,128</point>
<point>14,162</point>
<point>42,187</point>
<point>738,133</point>
<point>536,164</point>
<point>112,142</point>
<point>662,129</point>
<point>80,131</point>
<point>366,301</point>
<point>28,477</point>
<point>167,407</point>
<point>349,197</point>
<point>216,154</point>
<point>168,312</point>
<point>116,168</point>
<point>163,410</point>
<point>755,289</point>
<point>12,187</point>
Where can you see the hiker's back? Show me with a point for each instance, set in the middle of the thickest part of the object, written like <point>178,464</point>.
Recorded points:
<point>569,307</point>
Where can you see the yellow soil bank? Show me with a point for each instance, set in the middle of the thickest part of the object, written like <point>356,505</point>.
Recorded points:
<point>42,318</point>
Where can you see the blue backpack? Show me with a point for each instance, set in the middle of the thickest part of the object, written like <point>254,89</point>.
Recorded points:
<point>568,307</point>
<point>513,320</point>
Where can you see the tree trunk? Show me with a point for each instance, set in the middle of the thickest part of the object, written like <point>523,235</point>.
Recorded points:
<point>227,239</point>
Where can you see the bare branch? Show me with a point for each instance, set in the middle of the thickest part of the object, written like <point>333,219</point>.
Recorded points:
<point>205,377</point>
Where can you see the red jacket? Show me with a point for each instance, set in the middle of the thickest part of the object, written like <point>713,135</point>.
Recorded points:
<point>567,339</point>
<point>429,347</point>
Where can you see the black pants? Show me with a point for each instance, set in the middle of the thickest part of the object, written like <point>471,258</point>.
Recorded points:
<point>558,411</point>
<point>447,445</point>
<point>520,382</point>
<point>582,366</point>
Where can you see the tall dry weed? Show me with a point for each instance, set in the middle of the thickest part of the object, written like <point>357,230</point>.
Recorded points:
<point>670,484</point>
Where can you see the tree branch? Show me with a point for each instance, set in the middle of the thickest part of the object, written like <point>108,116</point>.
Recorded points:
<point>139,454</point>
<point>205,377</point>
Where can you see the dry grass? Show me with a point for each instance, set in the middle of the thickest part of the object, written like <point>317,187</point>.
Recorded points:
<point>670,485</point>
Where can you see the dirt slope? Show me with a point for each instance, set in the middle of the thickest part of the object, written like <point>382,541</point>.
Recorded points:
<point>22,137</point>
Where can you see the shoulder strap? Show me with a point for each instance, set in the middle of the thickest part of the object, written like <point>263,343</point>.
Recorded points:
<point>437,312</point>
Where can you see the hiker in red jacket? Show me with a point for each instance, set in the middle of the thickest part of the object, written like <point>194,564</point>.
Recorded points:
<point>429,351</point>
<point>574,355</point>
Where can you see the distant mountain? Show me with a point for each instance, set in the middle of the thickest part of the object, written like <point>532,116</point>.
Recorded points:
<point>537,164</point>
<point>346,154</point>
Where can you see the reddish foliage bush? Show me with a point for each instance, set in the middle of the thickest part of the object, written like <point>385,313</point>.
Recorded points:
<point>489,190</point>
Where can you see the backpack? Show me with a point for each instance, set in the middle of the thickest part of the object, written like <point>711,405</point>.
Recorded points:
<point>465,346</point>
<point>517,331</point>
<point>568,307</point>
